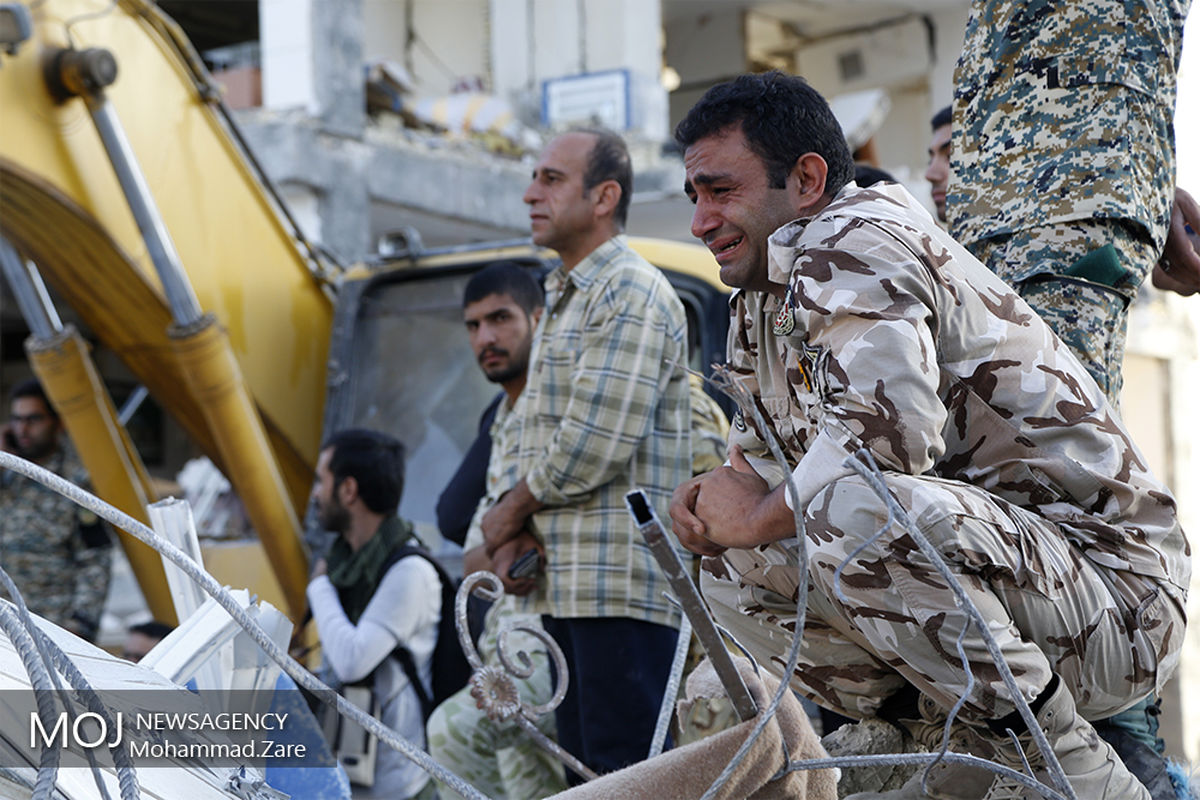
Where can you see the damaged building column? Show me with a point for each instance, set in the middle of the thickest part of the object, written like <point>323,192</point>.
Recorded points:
<point>312,56</point>
<point>364,176</point>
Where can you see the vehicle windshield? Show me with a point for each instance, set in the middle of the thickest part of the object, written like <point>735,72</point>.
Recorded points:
<point>411,373</point>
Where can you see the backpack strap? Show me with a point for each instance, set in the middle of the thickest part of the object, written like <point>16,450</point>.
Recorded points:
<point>401,653</point>
<point>405,658</point>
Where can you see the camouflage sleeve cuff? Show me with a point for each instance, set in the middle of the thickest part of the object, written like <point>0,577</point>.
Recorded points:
<point>767,468</point>
<point>823,464</point>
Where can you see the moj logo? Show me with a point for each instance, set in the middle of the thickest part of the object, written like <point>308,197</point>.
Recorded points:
<point>76,733</point>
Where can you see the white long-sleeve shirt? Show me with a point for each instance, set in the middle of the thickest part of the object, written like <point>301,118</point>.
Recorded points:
<point>405,611</point>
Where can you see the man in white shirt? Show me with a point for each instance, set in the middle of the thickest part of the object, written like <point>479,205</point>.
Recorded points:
<point>365,608</point>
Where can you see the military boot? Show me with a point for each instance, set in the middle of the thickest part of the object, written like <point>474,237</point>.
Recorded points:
<point>1090,764</point>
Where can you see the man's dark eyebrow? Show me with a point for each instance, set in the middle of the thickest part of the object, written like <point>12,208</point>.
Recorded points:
<point>707,180</point>
<point>689,185</point>
<point>548,171</point>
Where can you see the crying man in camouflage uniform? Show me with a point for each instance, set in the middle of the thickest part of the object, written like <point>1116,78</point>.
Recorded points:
<point>58,553</point>
<point>859,324</point>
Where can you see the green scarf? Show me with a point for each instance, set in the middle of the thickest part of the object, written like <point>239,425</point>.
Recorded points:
<point>357,575</point>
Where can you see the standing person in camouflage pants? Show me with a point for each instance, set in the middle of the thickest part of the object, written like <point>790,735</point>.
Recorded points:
<point>1063,170</point>
<point>57,553</point>
<point>502,304</point>
<point>1063,165</point>
<point>859,324</point>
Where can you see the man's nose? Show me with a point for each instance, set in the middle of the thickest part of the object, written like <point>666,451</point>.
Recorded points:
<point>935,172</point>
<point>703,220</point>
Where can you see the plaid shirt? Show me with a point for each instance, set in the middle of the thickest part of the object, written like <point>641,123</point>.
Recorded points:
<point>605,411</point>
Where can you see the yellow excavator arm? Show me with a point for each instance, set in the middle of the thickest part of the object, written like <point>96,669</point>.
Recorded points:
<point>62,205</point>
<point>244,371</point>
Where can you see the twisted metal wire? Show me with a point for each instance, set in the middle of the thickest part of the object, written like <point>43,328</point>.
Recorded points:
<point>674,678</point>
<point>838,589</point>
<point>122,762</point>
<point>39,678</point>
<point>488,586</point>
<point>56,661</point>
<point>44,699</point>
<point>865,466</point>
<point>721,379</point>
<point>293,668</point>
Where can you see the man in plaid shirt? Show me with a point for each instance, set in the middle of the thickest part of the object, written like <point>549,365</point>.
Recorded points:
<point>605,411</point>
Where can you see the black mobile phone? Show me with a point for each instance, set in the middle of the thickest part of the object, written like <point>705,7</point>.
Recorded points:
<point>526,566</point>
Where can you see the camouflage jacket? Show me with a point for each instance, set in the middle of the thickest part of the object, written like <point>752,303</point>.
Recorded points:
<point>903,343</point>
<point>1063,111</point>
<point>58,554</point>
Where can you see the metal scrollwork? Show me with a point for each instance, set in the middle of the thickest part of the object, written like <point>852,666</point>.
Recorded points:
<point>495,687</point>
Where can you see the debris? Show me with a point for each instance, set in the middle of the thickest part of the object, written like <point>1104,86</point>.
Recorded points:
<point>871,736</point>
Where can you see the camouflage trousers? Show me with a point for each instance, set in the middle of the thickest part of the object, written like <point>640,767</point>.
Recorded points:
<point>498,758</point>
<point>1085,302</point>
<point>890,619</point>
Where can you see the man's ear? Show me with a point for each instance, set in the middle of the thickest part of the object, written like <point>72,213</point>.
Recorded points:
<point>607,196</point>
<point>536,316</point>
<point>347,490</point>
<point>806,184</point>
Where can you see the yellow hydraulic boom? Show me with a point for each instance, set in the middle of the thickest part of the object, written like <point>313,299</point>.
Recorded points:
<point>62,205</point>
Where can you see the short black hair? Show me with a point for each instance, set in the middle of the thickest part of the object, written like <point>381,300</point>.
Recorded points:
<point>609,161</point>
<point>866,175</point>
<point>506,277</point>
<point>375,461</point>
<point>153,629</point>
<point>942,117</point>
<point>782,118</point>
<point>31,388</point>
